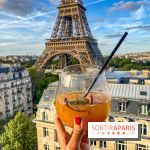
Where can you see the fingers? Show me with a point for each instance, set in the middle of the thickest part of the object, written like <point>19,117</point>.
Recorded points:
<point>85,138</point>
<point>61,133</point>
<point>77,135</point>
<point>84,146</point>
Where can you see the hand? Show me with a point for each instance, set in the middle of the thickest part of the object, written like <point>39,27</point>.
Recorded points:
<point>75,141</point>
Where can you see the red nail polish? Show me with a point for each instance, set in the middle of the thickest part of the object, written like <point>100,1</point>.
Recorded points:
<point>78,120</point>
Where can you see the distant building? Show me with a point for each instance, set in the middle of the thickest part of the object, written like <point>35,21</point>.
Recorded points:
<point>141,56</point>
<point>15,91</point>
<point>129,77</point>
<point>16,59</point>
<point>130,102</point>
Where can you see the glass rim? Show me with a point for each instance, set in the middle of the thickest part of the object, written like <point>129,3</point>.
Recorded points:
<point>91,74</point>
<point>96,66</point>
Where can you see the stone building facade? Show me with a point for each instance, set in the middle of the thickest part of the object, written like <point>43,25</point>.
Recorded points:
<point>15,91</point>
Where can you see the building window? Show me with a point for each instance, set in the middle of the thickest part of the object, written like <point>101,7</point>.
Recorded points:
<point>143,109</point>
<point>143,129</point>
<point>121,145</point>
<point>57,148</point>
<point>44,116</point>
<point>45,132</point>
<point>142,147</point>
<point>143,93</point>
<point>93,143</point>
<point>102,144</point>
<point>55,136</point>
<point>122,107</point>
<point>46,147</point>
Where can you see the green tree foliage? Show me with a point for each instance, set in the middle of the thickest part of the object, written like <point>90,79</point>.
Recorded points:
<point>35,75</point>
<point>43,84</point>
<point>40,82</point>
<point>19,134</point>
<point>73,61</point>
<point>28,64</point>
<point>126,64</point>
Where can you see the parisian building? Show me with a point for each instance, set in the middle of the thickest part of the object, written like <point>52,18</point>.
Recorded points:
<point>15,91</point>
<point>130,103</point>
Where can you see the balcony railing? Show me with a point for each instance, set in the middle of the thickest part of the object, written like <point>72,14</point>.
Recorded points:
<point>145,137</point>
<point>29,107</point>
<point>6,103</point>
<point>29,101</point>
<point>19,98</point>
<point>7,111</point>
<point>131,116</point>
<point>15,107</point>
<point>14,93</point>
<point>19,91</point>
<point>20,105</point>
<point>14,100</point>
<point>6,95</point>
<point>28,88</point>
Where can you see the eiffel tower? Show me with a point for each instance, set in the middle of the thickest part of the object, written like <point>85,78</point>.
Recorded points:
<point>71,36</point>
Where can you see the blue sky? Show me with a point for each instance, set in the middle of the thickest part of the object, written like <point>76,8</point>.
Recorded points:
<point>25,24</point>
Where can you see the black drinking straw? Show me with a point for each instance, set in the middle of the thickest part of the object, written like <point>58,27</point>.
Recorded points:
<point>105,64</point>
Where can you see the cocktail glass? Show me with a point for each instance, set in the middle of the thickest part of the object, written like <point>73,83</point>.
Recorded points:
<point>69,103</point>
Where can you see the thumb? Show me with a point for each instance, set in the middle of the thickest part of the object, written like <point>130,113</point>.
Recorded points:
<point>77,135</point>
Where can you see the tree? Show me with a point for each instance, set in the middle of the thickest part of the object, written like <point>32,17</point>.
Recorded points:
<point>40,81</point>
<point>19,134</point>
<point>35,75</point>
<point>42,84</point>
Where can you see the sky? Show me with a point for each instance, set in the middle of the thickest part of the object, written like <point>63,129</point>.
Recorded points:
<point>25,24</point>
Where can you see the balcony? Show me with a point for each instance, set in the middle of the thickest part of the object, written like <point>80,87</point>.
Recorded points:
<point>19,98</point>
<point>131,116</point>
<point>19,91</point>
<point>28,95</point>
<point>6,96</point>
<point>14,100</point>
<point>29,101</point>
<point>145,137</point>
<point>6,103</point>
<point>15,108</point>
<point>13,93</point>
<point>29,108</point>
<point>28,88</point>
<point>7,111</point>
<point>20,105</point>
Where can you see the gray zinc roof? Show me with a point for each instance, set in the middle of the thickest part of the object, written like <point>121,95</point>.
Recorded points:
<point>130,91</point>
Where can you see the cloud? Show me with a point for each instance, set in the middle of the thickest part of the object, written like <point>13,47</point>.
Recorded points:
<point>41,14</point>
<point>113,35</point>
<point>17,7</point>
<point>54,2</point>
<point>129,6</point>
<point>92,3</point>
<point>143,27</point>
<point>139,14</point>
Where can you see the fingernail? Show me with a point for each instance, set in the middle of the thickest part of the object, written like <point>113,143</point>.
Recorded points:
<point>77,120</point>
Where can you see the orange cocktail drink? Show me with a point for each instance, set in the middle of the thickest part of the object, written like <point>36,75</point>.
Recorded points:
<point>75,80</point>
<point>95,110</point>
